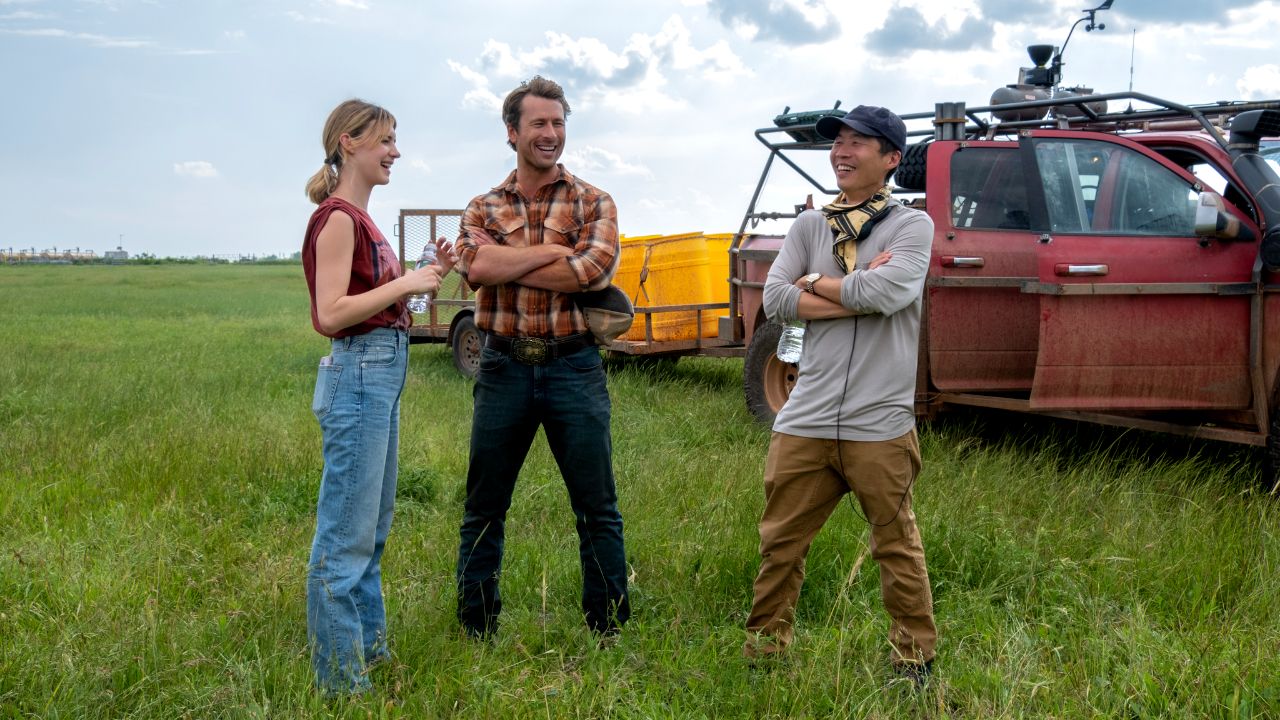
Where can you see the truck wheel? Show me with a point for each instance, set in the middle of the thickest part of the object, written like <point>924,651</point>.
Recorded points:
<point>766,380</point>
<point>466,345</point>
<point>911,171</point>
<point>1271,467</point>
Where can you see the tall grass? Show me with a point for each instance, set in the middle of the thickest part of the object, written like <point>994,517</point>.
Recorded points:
<point>158,474</point>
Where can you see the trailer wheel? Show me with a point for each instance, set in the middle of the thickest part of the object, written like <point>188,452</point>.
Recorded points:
<point>766,380</point>
<point>466,345</point>
<point>1271,467</point>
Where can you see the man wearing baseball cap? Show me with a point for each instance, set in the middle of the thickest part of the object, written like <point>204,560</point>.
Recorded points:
<point>855,270</point>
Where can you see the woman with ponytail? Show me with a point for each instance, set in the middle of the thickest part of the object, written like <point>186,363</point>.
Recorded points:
<point>358,300</point>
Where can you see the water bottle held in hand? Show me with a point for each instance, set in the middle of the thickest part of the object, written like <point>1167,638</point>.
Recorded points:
<point>421,303</point>
<point>791,343</point>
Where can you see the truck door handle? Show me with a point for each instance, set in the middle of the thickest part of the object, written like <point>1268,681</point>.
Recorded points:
<point>955,261</point>
<point>1069,270</point>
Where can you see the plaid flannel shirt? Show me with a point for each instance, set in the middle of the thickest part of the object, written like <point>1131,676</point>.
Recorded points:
<point>569,212</point>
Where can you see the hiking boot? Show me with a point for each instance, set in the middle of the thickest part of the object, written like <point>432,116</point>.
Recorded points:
<point>762,652</point>
<point>609,638</point>
<point>917,673</point>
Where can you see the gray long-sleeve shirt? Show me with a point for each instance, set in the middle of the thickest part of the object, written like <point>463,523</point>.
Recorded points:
<point>857,374</point>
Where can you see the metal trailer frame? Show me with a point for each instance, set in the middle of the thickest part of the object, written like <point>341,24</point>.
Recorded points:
<point>450,313</point>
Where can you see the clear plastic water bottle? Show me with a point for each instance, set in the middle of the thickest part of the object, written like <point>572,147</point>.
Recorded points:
<point>422,303</point>
<point>791,343</point>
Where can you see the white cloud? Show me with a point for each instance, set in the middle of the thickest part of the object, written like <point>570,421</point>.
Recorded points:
<point>594,160</point>
<point>195,169</point>
<point>25,15</point>
<point>700,198</point>
<point>639,101</point>
<point>96,40</point>
<point>479,97</point>
<point>310,19</point>
<point>235,34</point>
<point>717,62</point>
<point>353,4</point>
<point>420,165</point>
<point>586,56</point>
<point>790,22</point>
<point>1259,82</point>
<point>586,66</point>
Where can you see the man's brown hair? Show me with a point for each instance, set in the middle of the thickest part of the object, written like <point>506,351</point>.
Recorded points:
<point>536,86</point>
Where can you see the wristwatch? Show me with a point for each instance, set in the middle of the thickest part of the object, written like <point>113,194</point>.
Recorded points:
<point>809,280</point>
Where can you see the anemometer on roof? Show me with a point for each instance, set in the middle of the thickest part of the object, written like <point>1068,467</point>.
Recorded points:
<point>1049,77</point>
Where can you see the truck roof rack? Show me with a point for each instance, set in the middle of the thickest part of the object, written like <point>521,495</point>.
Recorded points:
<point>955,121</point>
<point>1070,111</point>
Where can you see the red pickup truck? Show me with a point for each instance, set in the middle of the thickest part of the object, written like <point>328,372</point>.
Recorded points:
<point>1114,267</point>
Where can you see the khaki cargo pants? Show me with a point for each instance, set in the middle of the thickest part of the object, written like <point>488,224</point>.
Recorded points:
<point>803,483</point>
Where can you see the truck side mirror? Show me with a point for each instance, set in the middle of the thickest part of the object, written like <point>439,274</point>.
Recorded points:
<point>1213,220</point>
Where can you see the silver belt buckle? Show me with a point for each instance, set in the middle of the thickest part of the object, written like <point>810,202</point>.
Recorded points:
<point>530,350</point>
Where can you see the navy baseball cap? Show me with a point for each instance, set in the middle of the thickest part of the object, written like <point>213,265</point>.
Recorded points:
<point>867,120</point>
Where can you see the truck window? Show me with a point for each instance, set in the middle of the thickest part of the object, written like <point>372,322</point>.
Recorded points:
<point>1092,186</point>
<point>987,190</point>
<point>1210,176</point>
<point>1270,149</point>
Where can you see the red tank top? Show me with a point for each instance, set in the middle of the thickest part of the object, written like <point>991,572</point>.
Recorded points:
<point>373,263</point>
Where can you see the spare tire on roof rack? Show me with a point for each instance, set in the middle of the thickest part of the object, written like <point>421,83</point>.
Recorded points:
<point>799,125</point>
<point>911,172</point>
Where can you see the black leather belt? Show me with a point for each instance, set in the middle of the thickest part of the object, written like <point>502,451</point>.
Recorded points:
<point>538,351</point>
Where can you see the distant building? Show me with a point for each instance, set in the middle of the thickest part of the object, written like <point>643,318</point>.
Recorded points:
<point>116,255</point>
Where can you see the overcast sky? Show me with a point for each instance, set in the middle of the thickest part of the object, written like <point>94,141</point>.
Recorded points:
<point>185,128</point>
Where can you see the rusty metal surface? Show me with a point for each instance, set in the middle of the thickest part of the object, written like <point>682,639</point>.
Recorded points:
<point>1117,326</point>
<point>978,282</point>
<point>1142,352</point>
<point>1206,288</point>
<point>1207,432</point>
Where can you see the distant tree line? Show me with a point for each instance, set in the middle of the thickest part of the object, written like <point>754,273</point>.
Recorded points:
<point>152,259</point>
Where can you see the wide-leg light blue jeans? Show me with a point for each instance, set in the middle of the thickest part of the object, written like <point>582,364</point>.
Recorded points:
<point>357,401</point>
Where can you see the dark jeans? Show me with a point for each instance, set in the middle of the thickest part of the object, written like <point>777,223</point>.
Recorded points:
<point>569,399</point>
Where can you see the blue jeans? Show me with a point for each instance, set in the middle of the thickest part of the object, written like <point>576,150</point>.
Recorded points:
<point>569,399</point>
<point>357,401</point>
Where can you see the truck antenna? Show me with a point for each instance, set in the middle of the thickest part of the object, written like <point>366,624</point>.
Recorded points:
<point>1133,39</point>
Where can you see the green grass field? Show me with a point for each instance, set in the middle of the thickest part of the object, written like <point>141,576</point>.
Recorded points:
<point>159,467</point>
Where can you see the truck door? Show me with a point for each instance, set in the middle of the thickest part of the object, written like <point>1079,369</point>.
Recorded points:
<point>982,329</point>
<point>1136,312</point>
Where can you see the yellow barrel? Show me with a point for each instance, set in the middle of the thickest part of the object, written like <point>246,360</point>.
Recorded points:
<point>630,264</point>
<point>682,269</point>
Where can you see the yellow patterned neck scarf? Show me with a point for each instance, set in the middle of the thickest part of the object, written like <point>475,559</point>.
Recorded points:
<point>850,223</point>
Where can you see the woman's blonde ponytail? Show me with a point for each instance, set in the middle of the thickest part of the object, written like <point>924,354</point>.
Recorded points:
<point>322,184</point>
